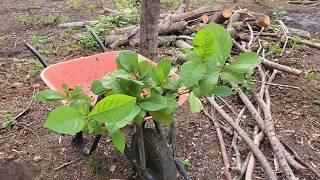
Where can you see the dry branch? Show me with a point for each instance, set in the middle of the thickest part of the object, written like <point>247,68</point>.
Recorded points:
<point>192,14</point>
<point>259,155</point>
<point>76,24</point>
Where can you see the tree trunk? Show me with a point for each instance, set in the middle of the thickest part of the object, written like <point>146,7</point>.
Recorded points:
<point>149,19</point>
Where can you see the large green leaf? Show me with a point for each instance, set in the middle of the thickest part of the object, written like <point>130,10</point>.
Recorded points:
<point>49,96</point>
<point>119,141</point>
<point>99,87</point>
<point>195,103</point>
<point>155,102</point>
<point>120,73</point>
<point>191,72</point>
<point>204,44</point>
<point>65,120</point>
<point>171,84</point>
<point>76,92</point>
<point>222,43</point>
<point>144,69</point>
<point>209,80</point>
<point>128,60</point>
<point>230,76</point>
<point>114,125</point>
<point>163,117</point>
<point>131,87</point>
<point>244,63</point>
<point>140,117</point>
<point>192,56</point>
<point>161,72</point>
<point>222,91</point>
<point>113,108</point>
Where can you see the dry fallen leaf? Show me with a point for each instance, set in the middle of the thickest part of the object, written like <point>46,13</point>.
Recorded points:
<point>112,168</point>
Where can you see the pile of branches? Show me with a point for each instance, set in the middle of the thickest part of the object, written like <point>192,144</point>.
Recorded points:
<point>250,31</point>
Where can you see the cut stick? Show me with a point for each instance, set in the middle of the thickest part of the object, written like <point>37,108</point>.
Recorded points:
<point>260,122</point>
<point>125,39</point>
<point>299,32</point>
<point>258,137</point>
<point>264,22</point>
<point>162,40</point>
<point>256,151</point>
<point>235,139</point>
<point>225,159</point>
<point>274,141</point>
<point>271,64</point>
<point>224,128</point>
<point>307,42</point>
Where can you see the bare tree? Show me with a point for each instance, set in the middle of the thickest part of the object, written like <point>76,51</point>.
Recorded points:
<point>149,19</point>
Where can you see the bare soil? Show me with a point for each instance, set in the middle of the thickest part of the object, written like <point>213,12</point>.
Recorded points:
<point>40,151</point>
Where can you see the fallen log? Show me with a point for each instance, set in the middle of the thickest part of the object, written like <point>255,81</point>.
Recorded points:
<point>162,40</point>
<point>299,32</point>
<point>165,29</point>
<point>183,44</point>
<point>76,24</point>
<point>307,42</point>
<point>192,14</point>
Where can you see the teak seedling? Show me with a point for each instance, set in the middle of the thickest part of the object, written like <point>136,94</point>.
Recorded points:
<point>139,88</point>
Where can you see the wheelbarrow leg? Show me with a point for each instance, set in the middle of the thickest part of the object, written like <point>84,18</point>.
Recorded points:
<point>78,141</point>
<point>95,144</point>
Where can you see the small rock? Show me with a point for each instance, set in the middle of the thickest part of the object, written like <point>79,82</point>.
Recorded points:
<point>37,158</point>
<point>112,168</point>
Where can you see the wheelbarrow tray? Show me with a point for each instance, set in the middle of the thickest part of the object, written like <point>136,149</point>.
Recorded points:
<point>83,71</point>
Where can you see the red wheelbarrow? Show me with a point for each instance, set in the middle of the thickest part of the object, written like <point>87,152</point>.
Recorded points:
<point>160,161</point>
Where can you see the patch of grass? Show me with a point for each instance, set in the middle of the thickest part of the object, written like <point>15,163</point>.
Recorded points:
<point>23,19</point>
<point>95,163</point>
<point>76,4</point>
<point>279,12</point>
<point>313,75</point>
<point>297,45</point>
<point>92,7</point>
<point>186,164</point>
<point>44,44</point>
<point>317,101</point>
<point>49,19</point>
<point>8,120</point>
<point>104,25</point>
<point>128,6</point>
<point>275,49</point>
<point>170,5</point>
<point>257,1</point>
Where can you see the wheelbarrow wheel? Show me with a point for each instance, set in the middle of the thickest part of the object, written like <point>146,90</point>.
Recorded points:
<point>159,160</point>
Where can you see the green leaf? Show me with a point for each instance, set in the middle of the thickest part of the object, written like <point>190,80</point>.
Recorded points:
<point>128,60</point>
<point>76,92</point>
<point>222,91</point>
<point>131,87</point>
<point>223,43</point>
<point>208,81</point>
<point>81,105</point>
<point>204,44</point>
<point>244,63</point>
<point>144,69</point>
<point>113,108</point>
<point>155,102</point>
<point>65,120</point>
<point>120,73</point>
<point>65,89</point>
<point>100,87</point>
<point>50,96</point>
<point>171,84</point>
<point>191,72</point>
<point>161,72</point>
<point>119,141</point>
<point>163,117</point>
<point>195,103</point>
<point>230,76</point>
<point>114,125</point>
<point>192,56</point>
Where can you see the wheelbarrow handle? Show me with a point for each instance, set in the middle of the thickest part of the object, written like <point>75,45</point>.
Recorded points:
<point>37,54</point>
<point>100,43</point>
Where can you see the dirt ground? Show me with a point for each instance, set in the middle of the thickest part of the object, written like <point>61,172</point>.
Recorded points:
<point>297,118</point>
